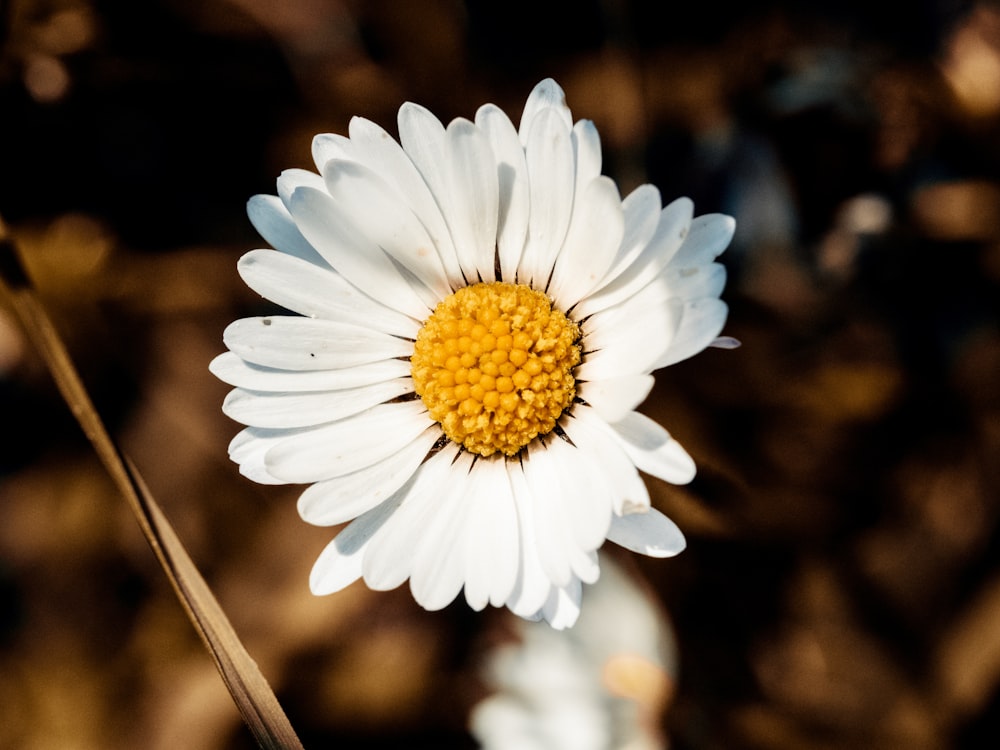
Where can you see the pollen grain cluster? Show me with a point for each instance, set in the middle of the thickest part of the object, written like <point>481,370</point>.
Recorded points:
<point>494,365</point>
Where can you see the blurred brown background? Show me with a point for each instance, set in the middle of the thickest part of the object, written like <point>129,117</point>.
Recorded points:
<point>841,588</point>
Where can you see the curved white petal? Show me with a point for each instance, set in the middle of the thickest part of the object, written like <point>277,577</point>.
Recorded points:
<point>377,149</point>
<point>708,237</point>
<point>360,261</point>
<point>265,409</point>
<point>571,514</point>
<point>632,343</point>
<point>389,558</point>
<point>374,210</point>
<point>701,321</point>
<point>563,605</point>
<point>672,227</point>
<point>642,210</point>
<point>346,446</point>
<point>585,502</point>
<point>512,182</point>
<point>339,565</point>
<point>334,501</point>
<point>490,538</point>
<point>587,153</point>
<point>329,146</point>
<point>726,342</point>
<point>438,566</point>
<point>532,586</point>
<point>650,533</point>
<point>551,177</point>
<point>318,292</point>
<point>613,398</point>
<point>273,222</point>
<point>694,282</point>
<point>599,330</point>
<point>291,180</point>
<point>423,139</point>
<point>546,95</point>
<point>552,542</point>
<point>293,343</point>
<point>593,237</point>
<point>473,198</point>
<point>618,473</point>
<point>248,448</point>
<point>653,450</point>
<point>231,369</point>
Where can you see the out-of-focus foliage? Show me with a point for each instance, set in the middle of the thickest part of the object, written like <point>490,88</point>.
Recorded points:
<point>842,583</point>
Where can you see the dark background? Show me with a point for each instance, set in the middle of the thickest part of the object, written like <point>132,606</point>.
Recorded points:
<point>841,588</point>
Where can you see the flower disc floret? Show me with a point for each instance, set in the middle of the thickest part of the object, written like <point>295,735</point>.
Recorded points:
<point>494,365</point>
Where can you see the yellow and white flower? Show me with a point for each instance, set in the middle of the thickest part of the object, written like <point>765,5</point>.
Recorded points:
<point>478,315</point>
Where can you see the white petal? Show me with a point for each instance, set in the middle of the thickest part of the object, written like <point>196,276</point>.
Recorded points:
<point>362,263</point>
<point>271,219</point>
<point>265,409</point>
<point>650,533</point>
<point>694,282</point>
<point>701,321</point>
<point>601,329</point>
<point>248,449</point>
<point>380,151</point>
<point>230,368</point>
<point>490,538</point>
<point>586,503</point>
<point>552,541</point>
<point>586,568</point>
<point>642,210</point>
<point>512,178</point>
<point>349,445</point>
<point>329,146</point>
<point>709,236</point>
<point>594,234</point>
<point>291,180</point>
<point>340,499</point>
<point>587,152</point>
<point>571,513</point>
<point>423,138</point>
<point>293,343</point>
<point>318,293</point>
<point>653,450</point>
<point>546,94</point>
<point>618,473</point>
<point>613,398</point>
<point>675,219</point>
<point>631,342</point>
<point>339,565</point>
<point>375,211</point>
<point>438,561</point>
<point>532,586</point>
<point>429,147</point>
<point>389,558</point>
<point>551,178</point>
<point>726,342</point>
<point>474,198</point>
<point>563,605</point>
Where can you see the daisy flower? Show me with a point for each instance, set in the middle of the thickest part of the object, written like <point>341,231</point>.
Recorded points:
<point>604,685</point>
<point>478,315</point>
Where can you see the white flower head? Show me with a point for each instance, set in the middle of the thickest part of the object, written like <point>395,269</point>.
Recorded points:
<point>601,686</point>
<point>478,315</point>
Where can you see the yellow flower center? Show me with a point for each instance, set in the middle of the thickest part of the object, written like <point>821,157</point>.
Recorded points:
<point>493,364</point>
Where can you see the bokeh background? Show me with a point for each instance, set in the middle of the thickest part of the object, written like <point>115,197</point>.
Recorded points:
<point>841,588</point>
